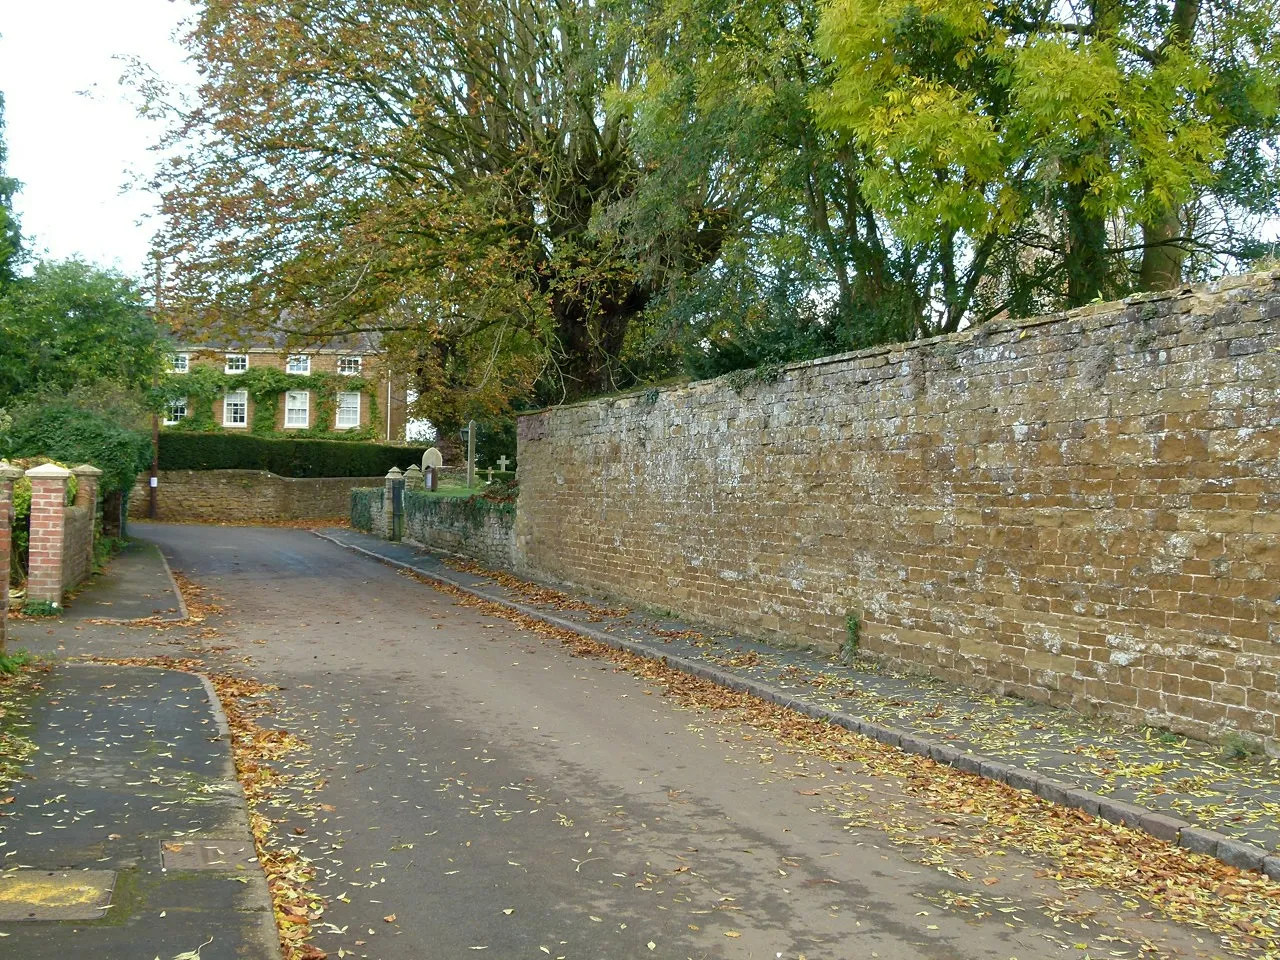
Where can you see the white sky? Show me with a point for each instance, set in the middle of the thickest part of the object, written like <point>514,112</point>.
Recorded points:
<point>76,152</point>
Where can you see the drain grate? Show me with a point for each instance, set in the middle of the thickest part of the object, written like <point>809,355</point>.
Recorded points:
<point>206,854</point>
<point>42,895</point>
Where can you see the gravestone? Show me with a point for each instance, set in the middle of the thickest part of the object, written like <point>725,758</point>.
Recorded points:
<point>490,478</point>
<point>502,463</point>
<point>432,458</point>
<point>413,477</point>
<point>430,478</point>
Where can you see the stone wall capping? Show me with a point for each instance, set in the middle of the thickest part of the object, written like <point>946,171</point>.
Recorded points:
<point>50,470</point>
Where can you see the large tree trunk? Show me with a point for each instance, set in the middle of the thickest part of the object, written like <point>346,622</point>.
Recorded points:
<point>1164,253</point>
<point>1086,254</point>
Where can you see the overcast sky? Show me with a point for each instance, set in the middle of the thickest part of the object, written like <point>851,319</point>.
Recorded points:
<point>74,138</point>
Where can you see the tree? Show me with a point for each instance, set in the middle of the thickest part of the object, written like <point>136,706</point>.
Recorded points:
<point>725,114</point>
<point>429,169</point>
<point>69,326</point>
<point>10,230</point>
<point>1122,144</point>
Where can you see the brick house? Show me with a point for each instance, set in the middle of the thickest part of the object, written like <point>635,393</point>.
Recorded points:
<point>374,403</point>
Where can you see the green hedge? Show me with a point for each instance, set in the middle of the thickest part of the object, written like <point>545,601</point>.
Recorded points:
<point>363,502</point>
<point>181,450</point>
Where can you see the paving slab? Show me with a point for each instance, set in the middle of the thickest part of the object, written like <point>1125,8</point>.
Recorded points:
<point>127,759</point>
<point>1103,764</point>
<point>137,584</point>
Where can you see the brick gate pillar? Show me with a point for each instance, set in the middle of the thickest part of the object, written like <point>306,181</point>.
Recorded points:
<point>8,474</point>
<point>48,533</point>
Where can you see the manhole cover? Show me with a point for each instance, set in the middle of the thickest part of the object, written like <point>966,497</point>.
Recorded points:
<point>206,854</point>
<point>40,895</point>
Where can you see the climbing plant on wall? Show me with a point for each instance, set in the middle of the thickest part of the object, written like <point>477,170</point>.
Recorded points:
<point>203,386</point>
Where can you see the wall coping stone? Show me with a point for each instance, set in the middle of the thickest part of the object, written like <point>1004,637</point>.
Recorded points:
<point>49,471</point>
<point>8,471</point>
<point>86,470</point>
<point>1257,280</point>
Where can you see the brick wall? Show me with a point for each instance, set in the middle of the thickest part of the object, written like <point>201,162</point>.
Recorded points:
<point>243,496</point>
<point>77,551</point>
<point>1081,508</point>
<point>472,527</point>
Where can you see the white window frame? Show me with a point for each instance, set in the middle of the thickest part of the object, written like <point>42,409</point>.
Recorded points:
<point>359,366</point>
<point>235,356</point>
<point>337,416</point>
<point>302,361</point>
<point>180,363</point>
<point>240,397</point>
<point>170,408</point>
<point>305,408</point>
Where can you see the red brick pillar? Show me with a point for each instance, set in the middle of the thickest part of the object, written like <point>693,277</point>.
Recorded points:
<point>8,474</point>
<point>87,497</point>
<point>48,533</point>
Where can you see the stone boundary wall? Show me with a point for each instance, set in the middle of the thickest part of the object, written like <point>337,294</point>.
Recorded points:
<point>243,496</point>
<point>472,527</point>
<point>1081,508</point>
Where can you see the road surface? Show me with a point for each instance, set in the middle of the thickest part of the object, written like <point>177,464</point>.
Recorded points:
<point>473,789</point>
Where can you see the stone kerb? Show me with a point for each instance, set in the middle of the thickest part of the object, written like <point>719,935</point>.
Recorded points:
<point>8,474</point>
<point>48,533</point>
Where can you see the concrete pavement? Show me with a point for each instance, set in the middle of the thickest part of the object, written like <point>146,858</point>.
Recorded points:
<point>131,776</point>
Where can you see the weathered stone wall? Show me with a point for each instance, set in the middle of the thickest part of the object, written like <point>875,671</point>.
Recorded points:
<point>1081,508</point>
<point>472,527</point>
<point>77,549</point>
<point>243,496</point>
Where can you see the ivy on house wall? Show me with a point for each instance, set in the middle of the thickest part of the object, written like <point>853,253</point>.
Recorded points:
<point>204,386</point>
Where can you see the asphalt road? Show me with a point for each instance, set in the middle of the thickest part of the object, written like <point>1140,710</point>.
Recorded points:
<point>475,790</point>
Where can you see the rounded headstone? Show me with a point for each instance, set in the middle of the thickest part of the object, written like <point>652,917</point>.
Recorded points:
<point>432,458</point>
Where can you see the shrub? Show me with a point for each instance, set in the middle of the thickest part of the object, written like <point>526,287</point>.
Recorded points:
<point>362,503</point>
<point>181,450</point>
<point>74,436</point>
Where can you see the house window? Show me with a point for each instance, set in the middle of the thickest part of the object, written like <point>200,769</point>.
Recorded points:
<point>174,411</point>
<point>297,405</point>
<point>348,411</point>
<point>350,366</point>
<point>298,365</point>
<point>180,362</point>
<point>237,362</point>
<point>235,409</point>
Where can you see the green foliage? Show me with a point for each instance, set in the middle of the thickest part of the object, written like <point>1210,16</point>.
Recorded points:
<point>10,230</point>
<point>204,386</point>
<point>71,435</point>
<point>42,608</point>
<point>69,325</point>
<point>1238,747</point>
<point>1066,151</point>
<point>11,663</point>
<point>472,511</point>
<point>852,638</point>
<point>739,380</point>
<point>286,457</point>
<point>362,506</point>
